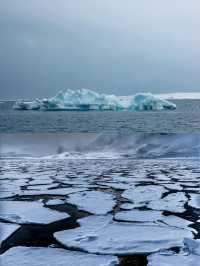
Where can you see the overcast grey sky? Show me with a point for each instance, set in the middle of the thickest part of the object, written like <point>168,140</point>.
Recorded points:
<point>112,46</point>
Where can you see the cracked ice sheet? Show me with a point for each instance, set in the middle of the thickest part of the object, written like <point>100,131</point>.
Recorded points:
<point>144,193</point>
<point>173,202</point>
<point>153,216</point>
<point>39,256</point>
<point>6,230</point>
<point>29,212</point>
<point>95,202</point>
<point>102,235</point>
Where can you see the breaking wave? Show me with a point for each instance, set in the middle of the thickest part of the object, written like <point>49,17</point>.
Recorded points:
<point>101,146</point>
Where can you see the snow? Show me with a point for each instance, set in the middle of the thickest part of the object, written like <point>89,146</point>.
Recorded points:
<point>39,256</point>
<point>29,212</point>
<point>6,229</point>
<point>95,202</point>
<point>85,99</point>
<point>102,235</point>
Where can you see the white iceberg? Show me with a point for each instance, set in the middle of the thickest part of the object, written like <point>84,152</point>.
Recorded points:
<point>23,105</point>
<point>85,100</point>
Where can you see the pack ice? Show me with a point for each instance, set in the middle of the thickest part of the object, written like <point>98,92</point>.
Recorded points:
<point>85,100</point>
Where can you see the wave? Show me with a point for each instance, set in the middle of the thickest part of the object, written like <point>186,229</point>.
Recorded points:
<point>100,146</point>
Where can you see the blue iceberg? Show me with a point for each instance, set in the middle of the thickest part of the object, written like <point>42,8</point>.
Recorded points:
<point>147,101</point>
<point>86,100</point>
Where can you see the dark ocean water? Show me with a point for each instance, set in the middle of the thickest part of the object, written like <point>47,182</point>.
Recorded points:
<point>186,118</point>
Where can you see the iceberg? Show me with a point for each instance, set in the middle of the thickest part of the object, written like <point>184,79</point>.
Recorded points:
<point>23,105</point>
<point>86,100</point>
<point>147,101</point>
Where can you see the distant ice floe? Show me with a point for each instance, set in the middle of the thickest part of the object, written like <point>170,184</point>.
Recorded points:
<point>23,212</point>
<point>95,202</point>
<point>35,256</point>
<point>102,235</point>
<point>142,194</point>
<point>173,202</point>
<point>189,256</point>
<point>85,100</point>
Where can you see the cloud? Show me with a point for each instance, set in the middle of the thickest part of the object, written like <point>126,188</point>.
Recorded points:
<point>109,45</point>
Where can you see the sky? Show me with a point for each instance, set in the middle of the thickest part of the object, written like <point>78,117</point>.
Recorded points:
<point>111,46</point>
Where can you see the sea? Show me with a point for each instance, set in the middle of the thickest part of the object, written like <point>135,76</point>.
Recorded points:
<point>186,118</point>
<point>125,184</point>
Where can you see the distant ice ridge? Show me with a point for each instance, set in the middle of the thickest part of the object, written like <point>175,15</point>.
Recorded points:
<point>85,100</point>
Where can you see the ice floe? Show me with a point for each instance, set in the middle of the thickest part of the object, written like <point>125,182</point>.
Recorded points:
<point>194,201</point>
<point>39,256</point>
<point>102,235</point>
<point>138,216</point>
<point>173,259</point>
<point>173,202</point>
<point>95,202</point>
<point>52,202</point>
<point>29,212</point>
<point>190,256</point>
<point>57,191</point>
<point>6,229</point>
<point>143,194</point>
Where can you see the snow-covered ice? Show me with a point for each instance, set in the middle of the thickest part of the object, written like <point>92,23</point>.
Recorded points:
<point>194,201</point>
<point>29,212</point>
<point>52,202</point>
<point>173,259</point>
<point>57,191</point>
<point>95,202</point>
<point>173,202</point>
<point>143,194</point>
<point>189,256</point>
<point>138,216</point>
<point>6,229</point>
<point>102,235</point>
<point>39,256</point>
